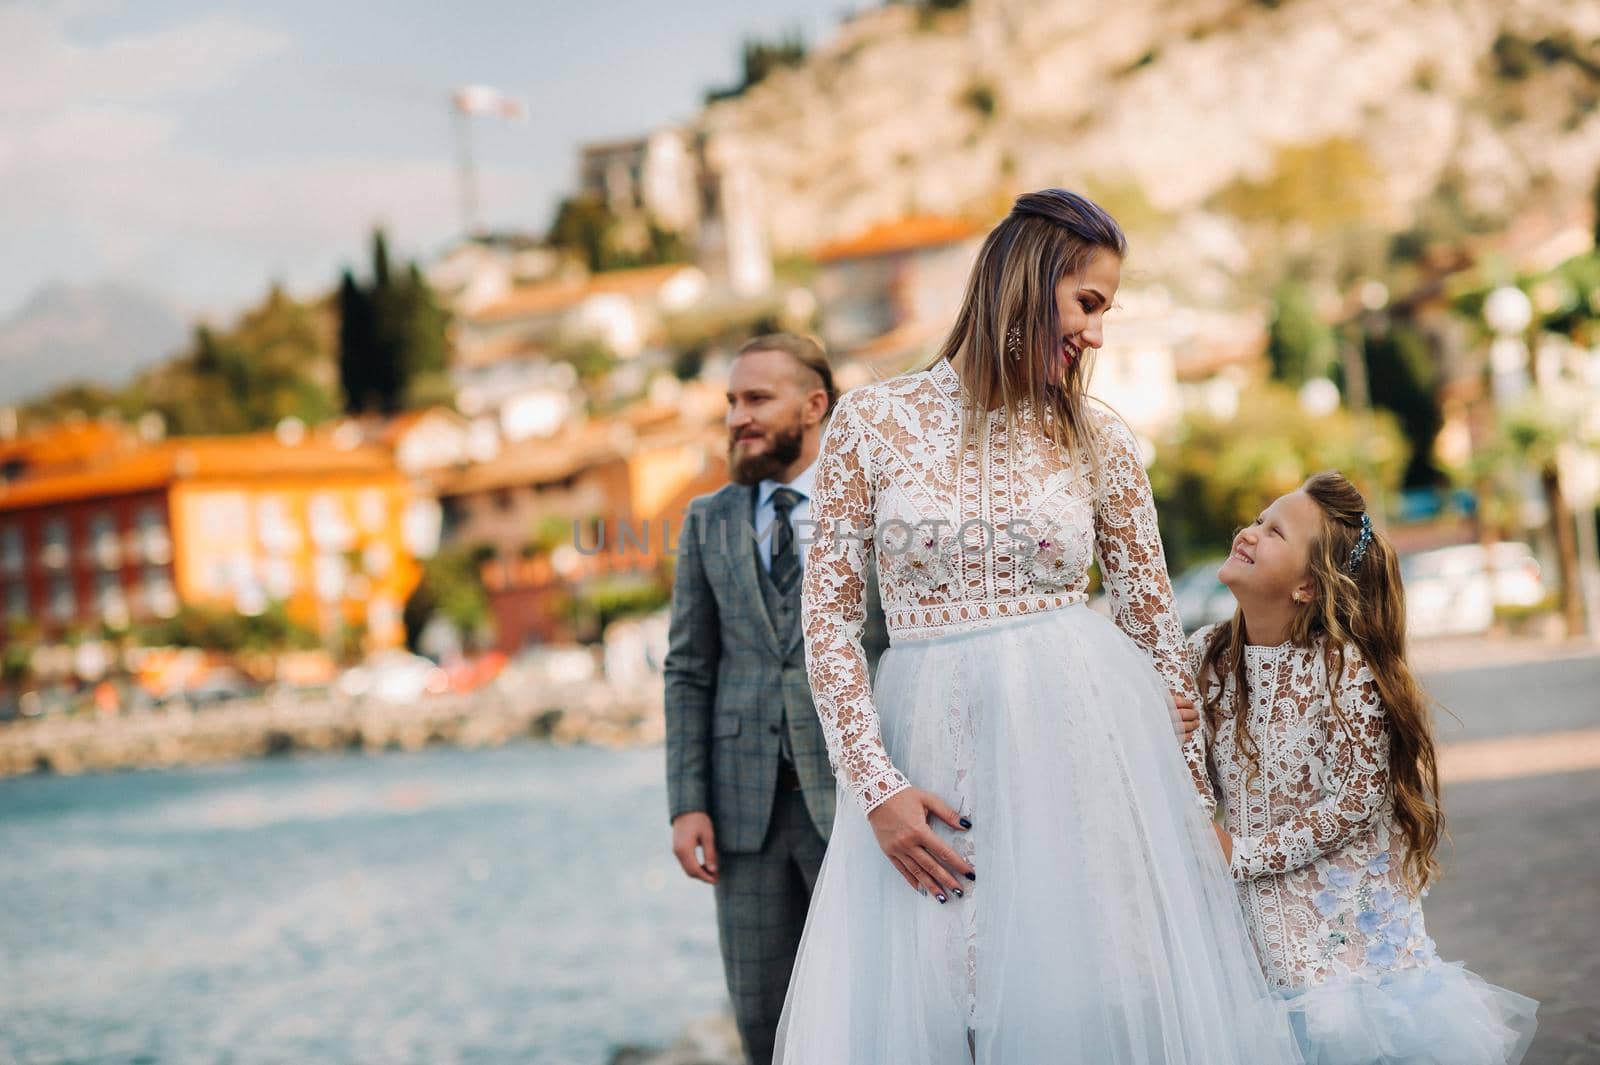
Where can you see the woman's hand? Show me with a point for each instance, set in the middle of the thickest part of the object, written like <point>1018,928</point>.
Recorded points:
<point>1226,841</point>
<point>926,862</point>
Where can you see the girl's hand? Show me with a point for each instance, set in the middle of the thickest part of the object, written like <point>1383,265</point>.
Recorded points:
<point>901,824</point>
<point>1185,718</point>
<point>1226,841</point>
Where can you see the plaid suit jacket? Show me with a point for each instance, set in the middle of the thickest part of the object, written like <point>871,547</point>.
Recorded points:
<point>730,686</point>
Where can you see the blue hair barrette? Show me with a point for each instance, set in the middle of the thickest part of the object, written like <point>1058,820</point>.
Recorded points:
<point>1359,552</point>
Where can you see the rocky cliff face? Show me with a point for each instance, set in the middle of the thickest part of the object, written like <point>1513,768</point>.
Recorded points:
<point>1203,123</point>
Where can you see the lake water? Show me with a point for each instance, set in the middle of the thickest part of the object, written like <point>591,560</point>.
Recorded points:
<point>509,905</point>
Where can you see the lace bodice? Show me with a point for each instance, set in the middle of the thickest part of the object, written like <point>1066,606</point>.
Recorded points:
<point>965,537</point>
<point>1315,854</point>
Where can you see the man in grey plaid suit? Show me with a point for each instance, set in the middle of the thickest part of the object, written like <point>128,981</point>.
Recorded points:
<point>748,781</point>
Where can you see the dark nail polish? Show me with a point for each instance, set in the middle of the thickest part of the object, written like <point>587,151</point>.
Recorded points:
<point>959,893</point>
<point>940,898</point>
<point>972,876</point>
<point>965,823</point>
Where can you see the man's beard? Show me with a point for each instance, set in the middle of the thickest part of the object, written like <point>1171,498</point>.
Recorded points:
<point>783,448</point>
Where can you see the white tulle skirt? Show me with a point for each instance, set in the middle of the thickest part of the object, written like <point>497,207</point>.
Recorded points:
<point>1102,929</point>
<point>1439,1014</point>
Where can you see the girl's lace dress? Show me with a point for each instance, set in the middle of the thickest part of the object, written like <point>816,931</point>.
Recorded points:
<point>1317,860</point>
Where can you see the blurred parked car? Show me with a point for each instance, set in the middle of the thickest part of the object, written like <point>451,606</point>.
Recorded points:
<point>545,665</point>
<point>470,674</point>
<point>393,676</point>
<point>219,687</point>
<point>47,699</point>
<point>1200,597</point>
<point>1453,591</point>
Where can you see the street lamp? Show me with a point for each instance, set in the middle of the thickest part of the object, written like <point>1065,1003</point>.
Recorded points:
<point>1563,494</point>
<point>1319,397</point>
<point>1508,312</point>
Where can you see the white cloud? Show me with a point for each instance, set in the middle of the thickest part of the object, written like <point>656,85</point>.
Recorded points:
<point>90,158</point>
<point>221,228</point>
<point>48,71</point>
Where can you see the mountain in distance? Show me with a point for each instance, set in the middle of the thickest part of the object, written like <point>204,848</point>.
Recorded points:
<point>103,333</point>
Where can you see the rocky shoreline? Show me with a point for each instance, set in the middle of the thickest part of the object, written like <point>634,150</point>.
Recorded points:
<point>705,1041</point>
<point>594,713</point>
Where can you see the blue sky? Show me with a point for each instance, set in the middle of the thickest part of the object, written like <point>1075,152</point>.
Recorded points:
<point>200,150</point>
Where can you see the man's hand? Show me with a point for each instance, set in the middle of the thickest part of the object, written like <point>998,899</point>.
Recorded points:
<point>922,858</point>
<point>1185,718</point>
<point>692,833</point>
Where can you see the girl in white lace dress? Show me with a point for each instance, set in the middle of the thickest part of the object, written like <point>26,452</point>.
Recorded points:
<point>1323,755</point>
<point>1022,870</point>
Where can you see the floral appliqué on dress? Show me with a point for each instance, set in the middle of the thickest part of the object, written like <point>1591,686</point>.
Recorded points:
<point>1316,862</point>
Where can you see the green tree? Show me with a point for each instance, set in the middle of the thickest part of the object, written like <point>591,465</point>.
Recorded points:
<point>427,349</point>
<point>272,363</point>
<point>451,587</point>
<point>1595,202</point>
<point>593,234</point>
<point>216,628</point>
<point>1529,437</point>
<point>355,346</point>
<point>603,600</point>
<point>580,226</point>
<point>1324,186</point>
<point>1216,473</point>
<point>1299,344</point>
<point>1403,377</point>
<point>393,337</point>
<point>758,58</point>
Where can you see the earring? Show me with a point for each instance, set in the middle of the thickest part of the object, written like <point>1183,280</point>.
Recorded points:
<point>1014,343</point>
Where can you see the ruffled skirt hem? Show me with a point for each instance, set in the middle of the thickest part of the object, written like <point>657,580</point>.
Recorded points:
<point>1439,1014</point>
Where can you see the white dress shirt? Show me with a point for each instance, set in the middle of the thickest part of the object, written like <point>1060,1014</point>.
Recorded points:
<point>766,513</point>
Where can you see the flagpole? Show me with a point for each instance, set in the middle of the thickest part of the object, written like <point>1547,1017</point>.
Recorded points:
<point>468,102</point>
<point>467,170</point>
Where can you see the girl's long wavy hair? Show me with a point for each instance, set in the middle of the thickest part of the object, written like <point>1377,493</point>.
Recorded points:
<point>1362,608</point>
<point>1049,235</point>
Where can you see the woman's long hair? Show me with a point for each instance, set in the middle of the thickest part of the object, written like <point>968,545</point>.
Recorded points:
<point>1009,327</point>
<point>1364,608</point>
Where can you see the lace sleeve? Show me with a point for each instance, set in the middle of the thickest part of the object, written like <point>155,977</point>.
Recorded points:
<point>833,614</point>
<point>1128,542</point>
<point>1205,735</point>
<point>1356,785</point>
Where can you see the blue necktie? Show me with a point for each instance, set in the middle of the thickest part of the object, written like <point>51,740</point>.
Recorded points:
<point>785,569</point>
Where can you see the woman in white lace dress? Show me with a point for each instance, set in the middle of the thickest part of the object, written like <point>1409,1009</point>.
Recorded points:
<point>1022,870</point>
<point>1324,757</point>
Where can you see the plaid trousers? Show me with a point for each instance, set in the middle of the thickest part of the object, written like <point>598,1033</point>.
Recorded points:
<point>762,900</point>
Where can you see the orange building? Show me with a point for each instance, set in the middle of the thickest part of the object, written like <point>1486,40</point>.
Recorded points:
<point>888,294</point>
<point>328,527</point>
<point>625,481</point>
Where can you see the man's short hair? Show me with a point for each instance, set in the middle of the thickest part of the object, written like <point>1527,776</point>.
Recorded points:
<point>804,350</point>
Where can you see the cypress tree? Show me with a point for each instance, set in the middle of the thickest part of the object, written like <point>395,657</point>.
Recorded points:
<point>355,345</point>
<point>392,335</point>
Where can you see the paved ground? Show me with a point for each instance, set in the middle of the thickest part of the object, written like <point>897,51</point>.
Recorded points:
<point>1519,901</point>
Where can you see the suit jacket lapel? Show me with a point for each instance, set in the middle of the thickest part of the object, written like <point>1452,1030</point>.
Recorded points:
<point>738,516</point>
